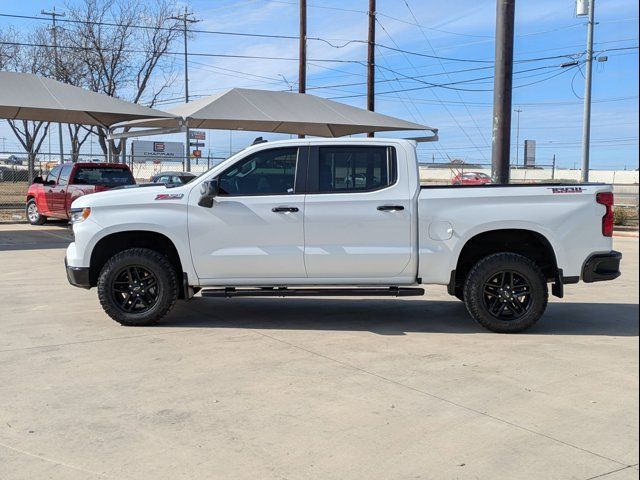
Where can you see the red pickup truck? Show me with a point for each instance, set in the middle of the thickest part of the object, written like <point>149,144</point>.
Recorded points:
<point>52,196</point>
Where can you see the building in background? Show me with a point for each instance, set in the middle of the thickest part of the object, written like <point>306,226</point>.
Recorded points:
<point>530,153</point>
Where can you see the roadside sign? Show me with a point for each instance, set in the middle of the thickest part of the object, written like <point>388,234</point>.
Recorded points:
<point>197,135</point>
<point>196,144</point>
<point>148,151</point>
<point>197,153</point>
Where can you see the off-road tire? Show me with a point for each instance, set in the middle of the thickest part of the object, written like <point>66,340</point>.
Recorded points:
<point>486,269</point>
<point>39,219</point>
<point>150,260</point>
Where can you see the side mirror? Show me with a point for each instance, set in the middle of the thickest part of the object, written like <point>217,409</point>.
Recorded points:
<point>38,180</point>
<point>208,191</point>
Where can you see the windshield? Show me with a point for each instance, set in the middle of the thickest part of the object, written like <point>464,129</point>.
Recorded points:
<point>105,177</point>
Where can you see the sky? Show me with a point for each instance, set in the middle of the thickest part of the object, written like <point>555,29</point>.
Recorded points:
<point>549,97</point>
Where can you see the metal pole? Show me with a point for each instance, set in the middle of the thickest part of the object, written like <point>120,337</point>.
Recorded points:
<point>586,125</point>
<point>371,66</point>
<point>53,14</point>
<point>518,110</point>
<point>123,151</point>
<point>302,55</point>
<point>502,84</point>
<point>186,88</point>
<point>185,21</point>
<point>553,171</point>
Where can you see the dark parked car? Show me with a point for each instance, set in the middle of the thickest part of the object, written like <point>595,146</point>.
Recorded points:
<point>13,160</point>
<point>172,178</point>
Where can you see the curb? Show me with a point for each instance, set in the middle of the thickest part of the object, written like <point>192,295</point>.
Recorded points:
<point>626,234</point>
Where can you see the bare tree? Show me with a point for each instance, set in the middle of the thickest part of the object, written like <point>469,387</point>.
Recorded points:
<point>123,48</point>
<point>67,65</point>
<point>8,51</point>
<point>29,134</point>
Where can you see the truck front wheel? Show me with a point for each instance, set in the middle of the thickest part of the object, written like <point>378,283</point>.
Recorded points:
<point>137,287</point>
<point>506,292</point>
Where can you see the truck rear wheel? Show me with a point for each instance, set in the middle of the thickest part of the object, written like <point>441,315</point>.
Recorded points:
<point>506,292</point>
<point>137,287</point>
<point>33,215</point>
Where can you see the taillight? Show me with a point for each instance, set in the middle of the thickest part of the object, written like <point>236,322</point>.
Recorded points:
<point>606,199</point>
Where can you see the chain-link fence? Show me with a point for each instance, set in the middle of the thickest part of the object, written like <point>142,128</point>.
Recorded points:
<point>15,181</point>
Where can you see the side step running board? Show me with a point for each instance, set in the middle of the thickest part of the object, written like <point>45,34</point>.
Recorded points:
<point>312,292</point>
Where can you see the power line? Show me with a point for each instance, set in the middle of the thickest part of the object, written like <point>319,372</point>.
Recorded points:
<point>286,37</point>
<point>434,94</point>
<point>529,105</point>
<point>195,54</point>
<point>445,71</point>
<point>448,85</point>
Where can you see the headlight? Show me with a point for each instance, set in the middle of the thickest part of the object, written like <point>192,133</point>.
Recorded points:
<point>79,215</point>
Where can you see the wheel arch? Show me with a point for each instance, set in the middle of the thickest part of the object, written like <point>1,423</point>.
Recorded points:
<point>116,242</point>
<point>526,242</point>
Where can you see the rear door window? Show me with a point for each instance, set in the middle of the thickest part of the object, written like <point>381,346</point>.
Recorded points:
<point>352,169</point>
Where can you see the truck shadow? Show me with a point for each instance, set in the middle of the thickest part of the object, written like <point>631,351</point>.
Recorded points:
<point>391,317</point>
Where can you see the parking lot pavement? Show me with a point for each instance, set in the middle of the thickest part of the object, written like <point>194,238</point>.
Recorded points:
<point>310,388</point>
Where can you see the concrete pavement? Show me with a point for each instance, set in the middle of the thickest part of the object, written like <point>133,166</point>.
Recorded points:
<point>310,388</point>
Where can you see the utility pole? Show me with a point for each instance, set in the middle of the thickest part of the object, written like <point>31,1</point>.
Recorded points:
<point>518,111</point>
<point>586,122</point>
<point>186,19</point>
<point>502,85</point>
<point>371,61</point>
<point>302,55</point>
<point>54,31</point>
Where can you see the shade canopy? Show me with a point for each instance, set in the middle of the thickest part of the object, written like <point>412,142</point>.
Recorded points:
<point>24,96</point>
<point>279,112</point>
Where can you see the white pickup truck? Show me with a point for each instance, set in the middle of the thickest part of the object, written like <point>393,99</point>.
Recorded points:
<point>329,217</point>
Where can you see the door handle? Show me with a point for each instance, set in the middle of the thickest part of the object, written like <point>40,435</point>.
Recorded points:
<point>390,208</point>
<point>285,209</point>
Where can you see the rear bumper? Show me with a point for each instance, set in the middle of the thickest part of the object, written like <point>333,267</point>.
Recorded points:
<point>77,276</point>
<point>601,267</point>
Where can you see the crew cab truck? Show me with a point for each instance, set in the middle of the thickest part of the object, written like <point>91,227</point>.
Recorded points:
<point>52,196</point>
<point>329,217</point>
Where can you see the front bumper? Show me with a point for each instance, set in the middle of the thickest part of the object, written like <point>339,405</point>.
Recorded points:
<point>601,267</point>
<point>77,276</point>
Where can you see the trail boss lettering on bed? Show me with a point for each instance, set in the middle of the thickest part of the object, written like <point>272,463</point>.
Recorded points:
<point>567,189</point>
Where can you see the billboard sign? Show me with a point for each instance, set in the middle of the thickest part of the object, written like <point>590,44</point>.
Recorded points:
<point>149,151</point>
<point>530,153</point>
<point>197,135</point>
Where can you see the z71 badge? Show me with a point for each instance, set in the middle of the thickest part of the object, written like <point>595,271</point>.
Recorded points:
<point>169,196</point>
<point>567,189</point>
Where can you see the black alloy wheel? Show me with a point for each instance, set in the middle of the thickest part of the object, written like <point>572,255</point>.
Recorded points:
<point>507,295</point>
<point>135,289</point>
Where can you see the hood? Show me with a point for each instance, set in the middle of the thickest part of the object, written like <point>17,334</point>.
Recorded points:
<point>133,195</point>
